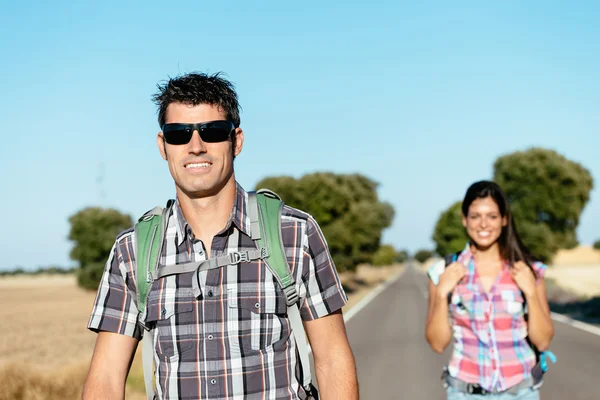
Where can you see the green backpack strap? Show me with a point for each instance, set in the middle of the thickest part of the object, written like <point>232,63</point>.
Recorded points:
<point>264,208</point>
<point>149,233</point>
<point>265,217</point>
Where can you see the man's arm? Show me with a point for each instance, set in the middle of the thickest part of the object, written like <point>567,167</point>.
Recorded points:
<point>110,366</point>
<point>334,361</point>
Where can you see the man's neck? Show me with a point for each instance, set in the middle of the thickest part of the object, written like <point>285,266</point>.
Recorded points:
<point>208,215</point>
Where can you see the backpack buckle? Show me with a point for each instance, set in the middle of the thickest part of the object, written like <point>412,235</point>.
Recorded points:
<point>264,253</point>
<point>291,295</point>
<point>239,257</point>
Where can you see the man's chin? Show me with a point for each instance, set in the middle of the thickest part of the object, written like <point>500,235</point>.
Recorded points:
<point>199,191</point>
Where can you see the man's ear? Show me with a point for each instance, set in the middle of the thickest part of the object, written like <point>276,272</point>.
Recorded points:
<point>238,143</point>
<point>160,142</point>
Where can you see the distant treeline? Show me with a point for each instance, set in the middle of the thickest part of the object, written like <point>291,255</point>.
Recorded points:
<point>39,271</point>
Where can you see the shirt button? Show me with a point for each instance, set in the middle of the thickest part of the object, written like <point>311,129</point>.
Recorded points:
<point>213,381</point>
<point>210,293</point>
<point>210,337</point>
<point>164,311</point>
<point>257,305</point>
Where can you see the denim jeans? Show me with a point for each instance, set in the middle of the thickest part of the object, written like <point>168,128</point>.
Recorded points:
<point>525,394</point>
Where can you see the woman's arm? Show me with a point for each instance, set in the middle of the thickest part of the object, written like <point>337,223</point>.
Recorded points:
<point>540,327</point>
<point>438,331</point>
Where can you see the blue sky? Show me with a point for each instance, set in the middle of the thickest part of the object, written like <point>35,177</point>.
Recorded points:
<point>421,98</point>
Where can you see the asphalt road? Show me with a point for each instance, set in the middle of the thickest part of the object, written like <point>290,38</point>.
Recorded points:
<point>395,362</point>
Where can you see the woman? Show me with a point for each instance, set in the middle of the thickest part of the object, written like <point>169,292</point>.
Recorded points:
<point>492,300</point>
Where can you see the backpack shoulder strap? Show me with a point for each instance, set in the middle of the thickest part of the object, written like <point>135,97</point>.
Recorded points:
<point>450,258</point>
<point>265,208</point>
<point>265,217</point>
<point>149,233</point>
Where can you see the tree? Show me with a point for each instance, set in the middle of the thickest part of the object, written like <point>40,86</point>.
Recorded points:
<point>597,244</point>
<point>449,234</point>
<point>94,230</point>
<point>546,188</point>
<point>402,256</point>
<point>385,255</point>
<point>346,207</point>
<point>423,255</point>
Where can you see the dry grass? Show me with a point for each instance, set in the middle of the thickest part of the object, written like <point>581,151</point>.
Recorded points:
<point>45,348</point>
<point>583,280</point>
<point>20,381</point>
<point>580,255</point>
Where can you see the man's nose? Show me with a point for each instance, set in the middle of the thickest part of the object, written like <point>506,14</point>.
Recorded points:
<point>196,144</point>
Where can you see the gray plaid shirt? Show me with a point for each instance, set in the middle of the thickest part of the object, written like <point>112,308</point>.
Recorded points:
<point>231,339</point>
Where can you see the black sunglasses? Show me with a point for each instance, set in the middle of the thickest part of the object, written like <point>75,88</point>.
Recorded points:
<point>210,132</point>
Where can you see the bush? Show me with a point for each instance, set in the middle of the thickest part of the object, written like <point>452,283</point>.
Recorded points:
<point>423,255</point>
<point>385,255</point>
<point>597,245</point>
<point>88,277</point>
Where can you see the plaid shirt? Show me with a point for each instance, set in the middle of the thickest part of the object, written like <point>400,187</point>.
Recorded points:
<point>229,338</point>
<point>489,329</point>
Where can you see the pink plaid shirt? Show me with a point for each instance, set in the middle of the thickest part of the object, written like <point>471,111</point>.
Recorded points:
<point>489,329</point>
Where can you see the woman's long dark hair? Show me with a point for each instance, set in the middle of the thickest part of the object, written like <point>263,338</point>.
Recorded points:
<point>512,248</point>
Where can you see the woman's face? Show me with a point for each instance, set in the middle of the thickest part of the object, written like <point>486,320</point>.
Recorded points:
<point>484,222</point>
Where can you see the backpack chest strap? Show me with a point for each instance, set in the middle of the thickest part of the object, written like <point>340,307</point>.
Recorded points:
<point>212,263</point>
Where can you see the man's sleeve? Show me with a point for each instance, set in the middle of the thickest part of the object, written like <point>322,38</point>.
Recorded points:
<point>114,308</point>
<point>324,292</point>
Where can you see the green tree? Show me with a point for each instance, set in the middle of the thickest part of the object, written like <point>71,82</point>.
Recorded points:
<point>423,255</point>
<point>546,188</point>
<point>539,240</point>
<point>385,255</point>
<point>402,256</point>
<point>93,230</point>
<point>597,244</point>
<point>347,208</point>
<point>449,234</point>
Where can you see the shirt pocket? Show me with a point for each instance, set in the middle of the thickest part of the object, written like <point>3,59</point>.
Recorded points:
<point>513,303</point>
<point>257,318</point>
<point>170,315</point>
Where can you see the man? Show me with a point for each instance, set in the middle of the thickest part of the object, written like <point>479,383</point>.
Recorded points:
<point>222,333</point>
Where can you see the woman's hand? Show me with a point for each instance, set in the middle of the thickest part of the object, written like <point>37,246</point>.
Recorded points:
<point>450,278</point>
<point>524,278</point>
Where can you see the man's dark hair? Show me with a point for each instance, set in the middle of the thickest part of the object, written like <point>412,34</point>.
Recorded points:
<point>198,88</point>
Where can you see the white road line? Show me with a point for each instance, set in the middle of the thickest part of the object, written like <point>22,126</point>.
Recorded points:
<point>575,324</point>
<point>369,297</point>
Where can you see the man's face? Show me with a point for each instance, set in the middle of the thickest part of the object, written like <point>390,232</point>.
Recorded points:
<point>484,222</point>
<point>199,169</point>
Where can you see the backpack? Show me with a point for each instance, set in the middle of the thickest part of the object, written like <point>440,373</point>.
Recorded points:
<point>541,365</point>
<point>264,210</point>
